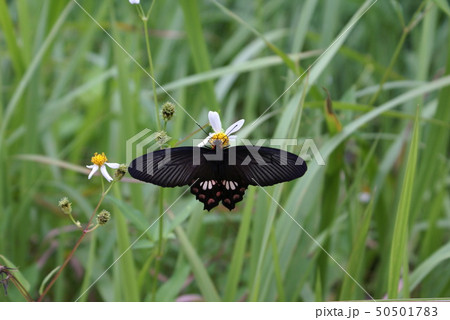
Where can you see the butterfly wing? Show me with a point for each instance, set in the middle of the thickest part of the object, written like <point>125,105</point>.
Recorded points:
<point>172,167</point>
<point>263,166</point>
<point>217,177</point>
<point>208,191</point>
<point>176,167</point>
<point>257,166</point>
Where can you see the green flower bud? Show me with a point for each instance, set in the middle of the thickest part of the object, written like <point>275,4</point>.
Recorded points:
<point>120,172</point>
<point>103,217</point>
<point>162,137</point>
<point>65,205</point>
<point>168,110</point>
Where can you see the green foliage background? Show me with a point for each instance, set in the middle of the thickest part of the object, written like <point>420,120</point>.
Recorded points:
<point>73,84</point>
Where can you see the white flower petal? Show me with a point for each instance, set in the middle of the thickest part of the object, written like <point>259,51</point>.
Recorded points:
<point>235,127</point>
<point>113,165</point>
<point>94,168</point>
<point>134,1</point>
<point>204,142</point>
<point>106,174</point>
<point>214,121</point>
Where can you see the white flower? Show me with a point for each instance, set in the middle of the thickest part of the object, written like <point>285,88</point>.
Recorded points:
<point>219,136</point>
<point>99,161</point>
<point>134,1</point>
<point>364,197</point>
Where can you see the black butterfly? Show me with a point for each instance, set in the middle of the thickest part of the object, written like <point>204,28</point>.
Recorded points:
<point>218,174</point>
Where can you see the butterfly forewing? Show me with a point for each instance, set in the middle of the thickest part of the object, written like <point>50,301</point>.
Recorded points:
<point>174,167</point>
<point>263,166</point>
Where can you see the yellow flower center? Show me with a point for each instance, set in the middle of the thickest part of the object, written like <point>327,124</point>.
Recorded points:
<point>219,139</point>
<point>99,159</point>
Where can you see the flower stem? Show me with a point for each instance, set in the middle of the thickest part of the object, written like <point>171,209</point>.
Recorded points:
<point>159,253</point>
<point>77,244</point>
<point>152,74</point>
<point>92,229</point>
<point>77,223</point>
<point>158,126</point>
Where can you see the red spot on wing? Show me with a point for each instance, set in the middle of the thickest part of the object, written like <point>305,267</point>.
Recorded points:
<point>218,192</point>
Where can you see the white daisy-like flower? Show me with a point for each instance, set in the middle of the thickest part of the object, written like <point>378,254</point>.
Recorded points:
<point>134,1</point>
<point>219,136</point>
<point>99,161</point>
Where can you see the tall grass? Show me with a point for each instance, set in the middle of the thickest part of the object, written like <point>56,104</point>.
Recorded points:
<point>68,90</point>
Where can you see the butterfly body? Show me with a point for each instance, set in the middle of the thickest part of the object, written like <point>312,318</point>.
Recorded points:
<point>217,174</point>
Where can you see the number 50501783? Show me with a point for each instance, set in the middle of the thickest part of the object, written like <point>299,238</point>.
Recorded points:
<point>406,311</point>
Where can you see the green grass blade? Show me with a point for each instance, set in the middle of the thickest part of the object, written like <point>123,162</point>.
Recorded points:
<point>233,69</point>
<point>75,63</point>
<point>443,5</point>
<point>13,102</point>
<point>203,280</point>
<point>276,266</point>
<point>304,21</point>
<point>198,47</point>
<point>289,63</point>
<point>436,143</point>
<point>237,259</point>
<point>89,268</point>
<point>258,278</point>
<point>328,55</point>
<point>128,286</point>
<point>47,279</point>
<point>348,290</point>
<point>11,39</point>
<point>400,237</point>
<point>426,267</point>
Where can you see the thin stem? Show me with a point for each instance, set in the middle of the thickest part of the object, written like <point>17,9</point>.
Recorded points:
<point>391,65</point>
<point>93,228</point>
<point>77,223</point>
<point>152,74</point>
<point>158,125</point>
<point>150,9</point>
<point>161,211</point>
<point>10,277</point>
<point>160,237</point>
<point>140,11</point>
<point>85,231</point>
<point>21,289</point>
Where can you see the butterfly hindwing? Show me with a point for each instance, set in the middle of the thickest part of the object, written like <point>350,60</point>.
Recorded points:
<point>209,192</point>
<point>212,192</point>
<point>233,191</point>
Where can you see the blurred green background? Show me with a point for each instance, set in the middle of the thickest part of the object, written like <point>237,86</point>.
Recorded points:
<point>372,223</point>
